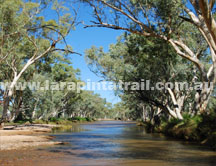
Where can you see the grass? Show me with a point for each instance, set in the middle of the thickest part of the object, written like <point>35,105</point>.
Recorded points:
<point>200,128</point>
<point>53,121</point>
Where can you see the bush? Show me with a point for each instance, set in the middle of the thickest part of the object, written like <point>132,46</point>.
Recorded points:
<point>183,129</point>
<point>207,129</point>
<point>21,119</point>
<point>79,119</point>
<point>149,127</point>
<point>59,121</point>
<point>200,128</point>
<point>39,121</point>
<point>54,119</point>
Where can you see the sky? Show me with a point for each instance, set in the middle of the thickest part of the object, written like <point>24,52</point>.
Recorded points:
<point>83,38</point>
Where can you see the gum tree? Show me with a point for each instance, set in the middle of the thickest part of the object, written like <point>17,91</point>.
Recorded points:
<point>27,37</point>
<point>188,26</point>
<point>133,59</point>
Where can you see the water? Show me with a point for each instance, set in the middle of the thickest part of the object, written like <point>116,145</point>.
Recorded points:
<point>115,143</point>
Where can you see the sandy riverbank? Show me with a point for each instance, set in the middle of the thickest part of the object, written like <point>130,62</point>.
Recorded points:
<point>26,136</point>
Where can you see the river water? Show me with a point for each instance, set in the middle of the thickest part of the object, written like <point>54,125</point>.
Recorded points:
<point>115,143</point>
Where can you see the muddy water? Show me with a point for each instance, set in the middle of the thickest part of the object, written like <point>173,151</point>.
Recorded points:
<point>112,143</point>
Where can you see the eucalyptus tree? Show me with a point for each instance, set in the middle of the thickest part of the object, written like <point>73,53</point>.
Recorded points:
<point>187,25</point>
<point>27,37</point>
<point>136,60</point>
<point>87,104</point>
<point>43,104</point>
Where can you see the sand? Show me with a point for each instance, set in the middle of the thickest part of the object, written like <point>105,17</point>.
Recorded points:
<point>26,136</point>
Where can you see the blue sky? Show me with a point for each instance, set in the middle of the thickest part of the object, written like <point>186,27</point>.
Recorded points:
<point>83,38</point>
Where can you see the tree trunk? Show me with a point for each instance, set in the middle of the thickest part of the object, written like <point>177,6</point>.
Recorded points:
<point>151,112</point>
<point>178,104</point>
<point>34,110</point>
<point>178,113</point>
<point>15,114</point>
<point>16,108</point>
<point>17,76</point>
<point>201,100</point>
<point>6,102</point>
<point>7,97</point>
<point>1,126</point>
<point>143,113</point>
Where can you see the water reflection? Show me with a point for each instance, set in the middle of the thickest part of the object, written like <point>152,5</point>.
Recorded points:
<point>117,143</point>
<point>69,129</point>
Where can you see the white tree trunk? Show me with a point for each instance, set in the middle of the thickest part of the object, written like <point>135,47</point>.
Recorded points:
<point>178,104</point>
<point>143,113</point>
<point>201,100</point>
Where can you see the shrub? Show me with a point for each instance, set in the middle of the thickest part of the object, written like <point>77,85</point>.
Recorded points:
<point>54,119</point>
<point>207,129</point>
<point>39,121</point>
<point>79,119</point>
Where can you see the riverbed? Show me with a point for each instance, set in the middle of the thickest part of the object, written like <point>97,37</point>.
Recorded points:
<point>111,143</point>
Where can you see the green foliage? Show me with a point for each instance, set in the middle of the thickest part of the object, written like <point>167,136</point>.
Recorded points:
<point>21,119</point>
<point>184,129</point>
<point>207,129</point>
<point>39,121</point>
<point>87,104</point>
<point>149,127</point>
<point>134,58</point>
<point>80,119</point>
<point>27,33</point>
<point>200,128</point>
<point>54,119</point>
<point>26,121</point>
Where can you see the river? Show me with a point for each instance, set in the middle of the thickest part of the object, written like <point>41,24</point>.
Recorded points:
<point>115,143</point>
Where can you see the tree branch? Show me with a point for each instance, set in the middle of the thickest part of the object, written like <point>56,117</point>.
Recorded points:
<point>112,26</point>
<point>65,50</point>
